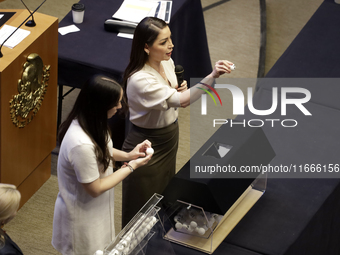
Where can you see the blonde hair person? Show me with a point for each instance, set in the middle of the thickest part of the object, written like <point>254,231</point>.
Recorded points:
<point>9,205</point>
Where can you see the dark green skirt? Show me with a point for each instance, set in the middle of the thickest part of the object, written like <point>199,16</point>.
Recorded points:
<point>152,178</point>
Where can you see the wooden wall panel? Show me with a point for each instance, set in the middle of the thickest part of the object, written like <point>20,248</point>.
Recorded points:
<point>22,150</point>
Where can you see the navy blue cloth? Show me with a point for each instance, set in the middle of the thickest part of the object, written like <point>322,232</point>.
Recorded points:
<point>294,214</point>
<point>224,248</point>
<point>7,16</point>
<point>10,247</point>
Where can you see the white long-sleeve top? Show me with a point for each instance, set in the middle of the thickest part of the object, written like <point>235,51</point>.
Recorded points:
<point>152,101</point>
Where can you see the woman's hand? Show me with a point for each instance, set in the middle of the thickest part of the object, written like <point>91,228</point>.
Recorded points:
<point>221,67</point>
<point>139,162</point>
<point>183,87</point>
<point>139,150</point>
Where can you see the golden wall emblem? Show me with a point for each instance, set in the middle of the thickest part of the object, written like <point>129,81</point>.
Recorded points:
<point>32,88</point>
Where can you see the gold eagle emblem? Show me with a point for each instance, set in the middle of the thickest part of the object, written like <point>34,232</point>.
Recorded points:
<point>32,88</point>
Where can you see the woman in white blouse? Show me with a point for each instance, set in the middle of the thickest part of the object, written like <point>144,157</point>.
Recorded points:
<point>83,214</point>
<point>153,97</point>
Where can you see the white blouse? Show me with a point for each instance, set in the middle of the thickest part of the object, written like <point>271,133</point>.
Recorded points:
<point>152,101</point>
<point>82,224</point>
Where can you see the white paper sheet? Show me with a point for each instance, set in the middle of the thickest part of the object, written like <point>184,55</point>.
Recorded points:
<point>135,10</point>
<point>15,39</point>
<point>68,29</point>
<point>125,35</point>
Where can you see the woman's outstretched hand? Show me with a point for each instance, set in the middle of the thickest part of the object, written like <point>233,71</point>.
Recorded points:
<point>221,67</point>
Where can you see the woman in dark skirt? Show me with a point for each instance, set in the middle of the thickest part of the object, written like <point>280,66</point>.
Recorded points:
<point>153,97</point>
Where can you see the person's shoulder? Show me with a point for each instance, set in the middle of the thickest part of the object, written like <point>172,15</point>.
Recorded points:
<point>75,127</point>
<point>146,70</point>
<point>169,63</point>
<point>75,135</point>
<point>145,74</point>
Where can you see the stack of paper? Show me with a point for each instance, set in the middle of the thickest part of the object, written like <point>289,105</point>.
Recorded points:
<point>15,39</point>
<point>136,10</point>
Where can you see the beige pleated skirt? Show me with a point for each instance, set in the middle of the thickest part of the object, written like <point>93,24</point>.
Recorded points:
<point>152,178</point>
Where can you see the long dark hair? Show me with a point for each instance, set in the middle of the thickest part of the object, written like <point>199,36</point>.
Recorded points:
<point>146,32</point>
<point>97,96</point>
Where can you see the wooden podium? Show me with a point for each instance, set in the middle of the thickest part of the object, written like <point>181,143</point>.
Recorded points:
<point>28,98</point>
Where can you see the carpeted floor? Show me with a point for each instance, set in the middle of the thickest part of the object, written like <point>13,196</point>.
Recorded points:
<point>233,30</point>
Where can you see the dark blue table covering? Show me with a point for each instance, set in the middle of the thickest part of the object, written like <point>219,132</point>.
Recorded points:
<point>278,222</point>
<point>6,17</point>
<point>224,248</point>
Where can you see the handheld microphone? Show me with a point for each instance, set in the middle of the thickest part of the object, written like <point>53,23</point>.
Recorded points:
<point>31,15</point>
<point>179,71</point>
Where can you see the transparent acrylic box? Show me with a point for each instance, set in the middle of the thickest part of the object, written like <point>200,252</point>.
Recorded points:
<point>134,237</point>
<point>190,225</point>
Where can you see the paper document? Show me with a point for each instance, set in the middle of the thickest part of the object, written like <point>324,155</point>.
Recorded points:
<point>125,35</point>
<point>136,10</point>
<point>15,39</point>
<point>68,29</point>
<point>163,10</point>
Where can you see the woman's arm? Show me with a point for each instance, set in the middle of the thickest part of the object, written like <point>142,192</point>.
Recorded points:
<point>192,94</point>
<point>101,185</point>
<point>138,151</point>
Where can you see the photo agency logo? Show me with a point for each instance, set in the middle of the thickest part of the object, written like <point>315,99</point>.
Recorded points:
<point>295,96</point>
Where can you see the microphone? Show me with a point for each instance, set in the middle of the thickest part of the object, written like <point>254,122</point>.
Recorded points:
<point>31,15</point>
<point>179,71</point>
<point>30,23</point>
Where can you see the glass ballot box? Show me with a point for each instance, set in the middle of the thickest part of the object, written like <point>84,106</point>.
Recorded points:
<point>195,227</point>
<point>202,207</point>
<point>134,238</point>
